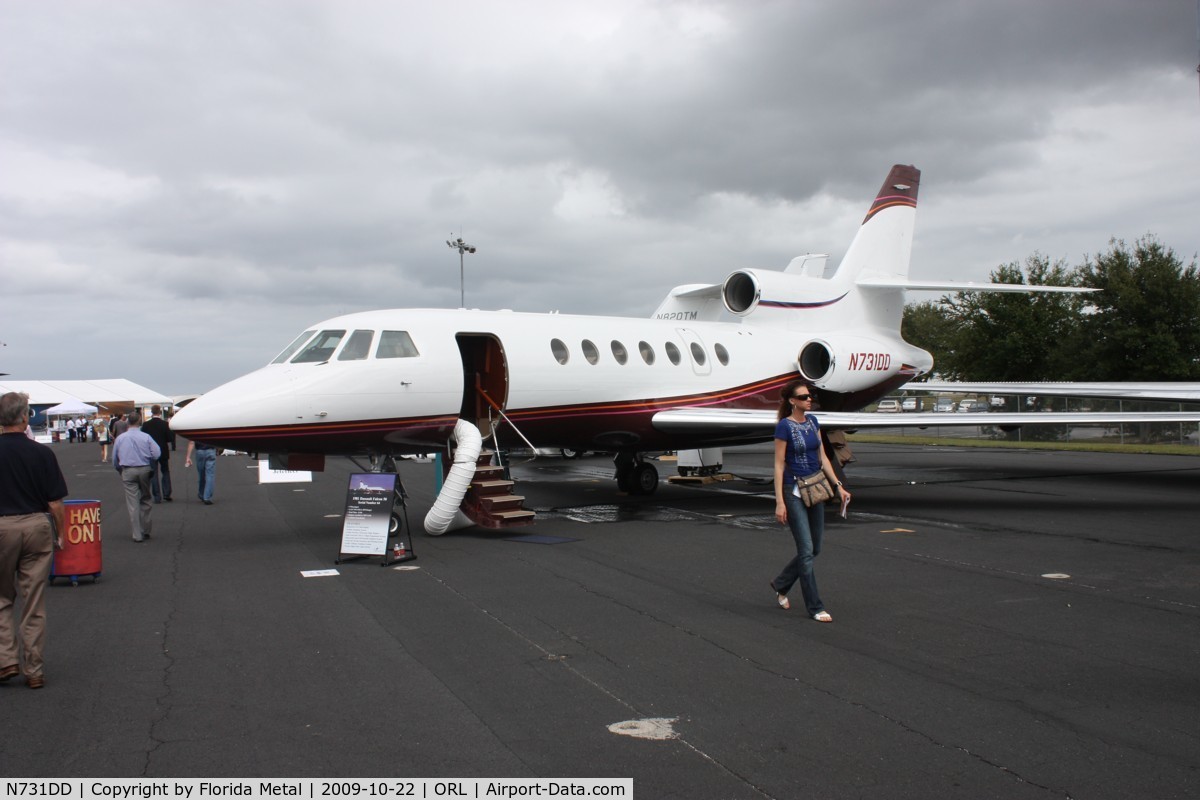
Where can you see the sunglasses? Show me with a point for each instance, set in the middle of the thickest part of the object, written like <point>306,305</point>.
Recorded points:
<point>802,397</point>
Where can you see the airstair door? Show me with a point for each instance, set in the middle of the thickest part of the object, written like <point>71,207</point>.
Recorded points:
<point>485,379</point>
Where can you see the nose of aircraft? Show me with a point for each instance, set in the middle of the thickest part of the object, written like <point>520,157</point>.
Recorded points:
<point>253,400</point>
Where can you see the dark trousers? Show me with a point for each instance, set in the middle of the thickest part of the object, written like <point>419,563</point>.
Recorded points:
<point>160,479</point>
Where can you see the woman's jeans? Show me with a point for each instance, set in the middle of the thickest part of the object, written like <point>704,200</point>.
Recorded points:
<point>807,525</point>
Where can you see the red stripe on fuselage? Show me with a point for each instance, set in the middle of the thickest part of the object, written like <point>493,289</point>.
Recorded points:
<point>760,394</point>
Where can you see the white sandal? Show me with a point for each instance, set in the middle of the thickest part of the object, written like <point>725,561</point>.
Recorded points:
<point>822,616</point>
<point>781,599</point>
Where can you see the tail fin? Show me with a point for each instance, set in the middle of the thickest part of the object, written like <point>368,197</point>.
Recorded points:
<point>882,247</point>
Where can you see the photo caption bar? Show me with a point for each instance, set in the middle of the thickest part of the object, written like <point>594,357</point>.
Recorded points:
<point>312,788</point>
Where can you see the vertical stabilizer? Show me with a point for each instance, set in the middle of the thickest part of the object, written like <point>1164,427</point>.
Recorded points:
<point>883,245</point>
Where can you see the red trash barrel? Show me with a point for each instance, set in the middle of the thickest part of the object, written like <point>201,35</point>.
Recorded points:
<point>80,553</point>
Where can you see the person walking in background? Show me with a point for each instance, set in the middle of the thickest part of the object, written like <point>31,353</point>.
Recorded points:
<point>32,517</point>
<point>160,479</point>
<point>134,454</point>
<point>118,426</point>
<point>799,455</point>
<point>100,426</point>
<point>206,468</point>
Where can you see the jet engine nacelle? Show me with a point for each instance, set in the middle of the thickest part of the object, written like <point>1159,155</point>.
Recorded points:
<point>744,290</point>
<point>851,363</point>
<point>784,299</point>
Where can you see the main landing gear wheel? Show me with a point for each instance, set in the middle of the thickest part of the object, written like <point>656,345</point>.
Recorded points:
<point>635,476</point>
<point>645,479</point>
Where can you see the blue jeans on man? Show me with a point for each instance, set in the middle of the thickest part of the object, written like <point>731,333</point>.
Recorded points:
<point>807,526</point>
<point>206,470</point>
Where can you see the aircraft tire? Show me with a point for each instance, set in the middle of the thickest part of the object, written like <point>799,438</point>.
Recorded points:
<point>645,479</point>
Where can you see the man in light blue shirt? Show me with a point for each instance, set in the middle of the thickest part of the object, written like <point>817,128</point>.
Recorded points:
<point>134,454</point>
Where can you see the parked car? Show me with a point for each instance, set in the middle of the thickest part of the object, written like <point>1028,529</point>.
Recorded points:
<point>966,405</point>
<point>944,405</point>
<point>909,404</point>
<point>888,405</point>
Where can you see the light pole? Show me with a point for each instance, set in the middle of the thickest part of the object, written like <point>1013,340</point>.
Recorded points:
<point>462,247</point>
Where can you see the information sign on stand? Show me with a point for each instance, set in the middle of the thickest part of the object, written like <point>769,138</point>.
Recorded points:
<point>370,500</point>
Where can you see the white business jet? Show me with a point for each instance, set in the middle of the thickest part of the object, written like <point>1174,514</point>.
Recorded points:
<point>705,370</point>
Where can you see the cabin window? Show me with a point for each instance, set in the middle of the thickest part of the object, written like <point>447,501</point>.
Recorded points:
<point>647,352</point>
<point>320,349</point>
<point>291,349</point>
<point>698,354</point>
<point>619,352</point>
<point>559,349</point>
<point>358,346</point>
<point>396,344</point>
<point>722,354</point>
<point>590,352</point>
<point>672,352</point>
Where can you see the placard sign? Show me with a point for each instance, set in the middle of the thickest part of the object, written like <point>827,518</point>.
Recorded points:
<point>369,501</point>
<point>268,475</point>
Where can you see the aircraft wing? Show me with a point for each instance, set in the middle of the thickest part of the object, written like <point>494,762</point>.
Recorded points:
<point>1175,392</point>
<point>734,425</point>
<point>952,286</point>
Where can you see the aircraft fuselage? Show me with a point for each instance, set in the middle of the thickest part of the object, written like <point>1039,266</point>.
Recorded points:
<point>583,382</point>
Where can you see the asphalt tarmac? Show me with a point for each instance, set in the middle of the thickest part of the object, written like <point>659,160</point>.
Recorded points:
<point>955,666</point>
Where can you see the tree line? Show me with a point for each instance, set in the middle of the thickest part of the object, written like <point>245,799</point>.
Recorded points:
<point>1142,323</point>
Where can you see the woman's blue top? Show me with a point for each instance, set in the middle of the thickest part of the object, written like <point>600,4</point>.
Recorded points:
<point>803,455</point>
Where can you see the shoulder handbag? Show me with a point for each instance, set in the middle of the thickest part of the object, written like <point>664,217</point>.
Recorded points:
<point>814,489</point>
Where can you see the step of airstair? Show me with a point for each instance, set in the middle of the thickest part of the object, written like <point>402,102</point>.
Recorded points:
<point>490,502</point>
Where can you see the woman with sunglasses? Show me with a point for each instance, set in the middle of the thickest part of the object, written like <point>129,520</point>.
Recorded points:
<point>798,452</point>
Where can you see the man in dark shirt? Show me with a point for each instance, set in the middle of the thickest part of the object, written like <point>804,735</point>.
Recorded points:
<point>160,480</point>
<point>32,518</point>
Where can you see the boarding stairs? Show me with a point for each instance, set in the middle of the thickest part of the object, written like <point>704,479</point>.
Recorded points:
<point>490,502</point>
<point>474,490</point>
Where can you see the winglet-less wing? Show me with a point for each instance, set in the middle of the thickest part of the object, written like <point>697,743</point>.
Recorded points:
<point>734,425</point>
<point>1167,391</point>
<point>952,286</point>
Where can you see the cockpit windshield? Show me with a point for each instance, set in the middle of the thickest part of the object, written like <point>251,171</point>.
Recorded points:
<point>320,348</point>
<point>311,347</point>
<point>358,346</point>
<point>293,347</point>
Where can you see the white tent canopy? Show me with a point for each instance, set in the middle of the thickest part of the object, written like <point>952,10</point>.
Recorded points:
<point>71,408</point>
<point>97,392</point>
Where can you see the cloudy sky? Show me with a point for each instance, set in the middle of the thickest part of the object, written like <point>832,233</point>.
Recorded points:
<point>184,186</point>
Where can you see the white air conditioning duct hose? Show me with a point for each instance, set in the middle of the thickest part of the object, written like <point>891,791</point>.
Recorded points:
<point>445,513</point>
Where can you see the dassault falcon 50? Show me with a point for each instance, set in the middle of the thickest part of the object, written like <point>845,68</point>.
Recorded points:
<point>704,370</point>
